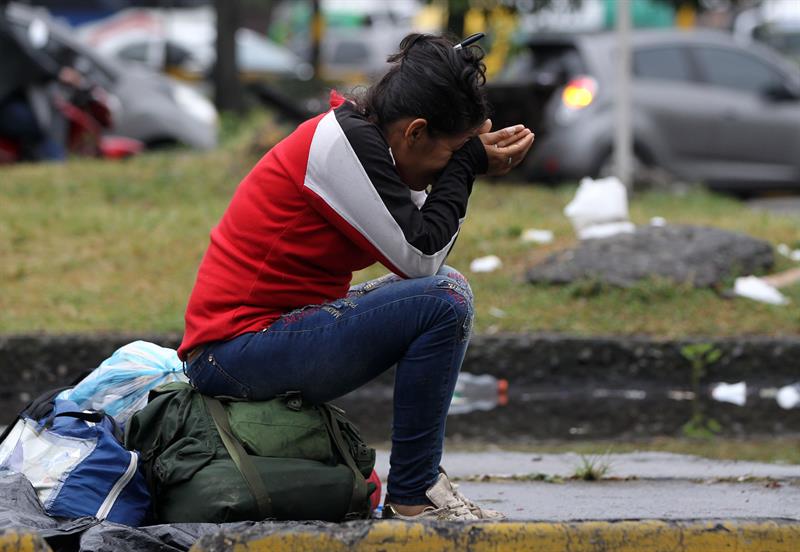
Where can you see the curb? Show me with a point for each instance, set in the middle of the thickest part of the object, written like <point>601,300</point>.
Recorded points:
<point>586,536</point>
<point>30,360</point>
<point>12,541</point>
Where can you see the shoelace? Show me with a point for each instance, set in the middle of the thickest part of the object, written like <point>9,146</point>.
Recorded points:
<point>458,505</point>
<point>471,506</point>
<point>458,509</point>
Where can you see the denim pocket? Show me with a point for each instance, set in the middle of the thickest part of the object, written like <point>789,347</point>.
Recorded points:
<point>371,285</point>
<point>209,377</point>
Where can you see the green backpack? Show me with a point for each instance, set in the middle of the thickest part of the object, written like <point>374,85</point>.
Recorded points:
<point>221,459</point>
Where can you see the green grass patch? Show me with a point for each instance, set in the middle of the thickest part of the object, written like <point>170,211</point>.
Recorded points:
<point>103,246</point>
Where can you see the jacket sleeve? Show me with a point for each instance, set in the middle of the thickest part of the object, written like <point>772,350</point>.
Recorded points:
<point>352,180</point>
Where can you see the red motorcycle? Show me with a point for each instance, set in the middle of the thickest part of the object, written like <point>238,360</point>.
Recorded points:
<point>87,112</point>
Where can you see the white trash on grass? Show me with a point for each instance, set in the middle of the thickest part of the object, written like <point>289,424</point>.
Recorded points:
<point>788,396</point>
<point>658,221</point>
<point>489,263</point>
<point>786,251</point>
<point>599,209</point>
<point>753,287</point>
<point>497,312</point>
<point>735,393</point>
<point>535,235</point>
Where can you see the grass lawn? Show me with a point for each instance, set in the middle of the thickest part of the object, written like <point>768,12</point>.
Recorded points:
<point>104,246</point>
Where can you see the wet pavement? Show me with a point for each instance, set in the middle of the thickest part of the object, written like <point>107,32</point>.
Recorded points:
<point>579,413</point>
<point>637,486</point>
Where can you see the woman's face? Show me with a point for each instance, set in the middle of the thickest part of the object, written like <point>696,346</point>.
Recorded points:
<point>419,157</point>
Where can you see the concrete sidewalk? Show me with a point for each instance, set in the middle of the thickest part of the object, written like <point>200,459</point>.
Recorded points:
<point>647,485</point>
<point>653,502</point>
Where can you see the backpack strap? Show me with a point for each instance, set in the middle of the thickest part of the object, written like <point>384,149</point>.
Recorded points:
<point>360,491</point>
<point>239,456</point>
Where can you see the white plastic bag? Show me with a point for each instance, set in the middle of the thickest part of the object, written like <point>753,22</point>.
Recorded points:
<point>485,264</point>
<point>753,287</point>
<point>599,208</point>
<point>734,393</point>
<point>120,385</point>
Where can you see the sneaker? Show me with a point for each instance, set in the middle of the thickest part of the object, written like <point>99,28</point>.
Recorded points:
<point>445,505</point>
<point>480,513</point>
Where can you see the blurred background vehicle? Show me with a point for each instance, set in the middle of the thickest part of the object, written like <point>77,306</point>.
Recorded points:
<point>47,107</point>
<point>80,12</point>
<point>150,107</point>
<point>181,42</point>
<point>773,22</point>
<point>702,103</point>
<point>704,107</point>
<point>360,35</point>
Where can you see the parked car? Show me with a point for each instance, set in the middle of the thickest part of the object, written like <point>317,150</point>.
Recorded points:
<point>704,107</point>
<point>150,107</point>
<point>183,42</point>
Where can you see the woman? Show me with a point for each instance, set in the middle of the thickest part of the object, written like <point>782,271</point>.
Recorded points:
<point>271,310</point>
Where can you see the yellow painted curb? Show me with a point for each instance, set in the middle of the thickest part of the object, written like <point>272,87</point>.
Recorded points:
<point>11,541</point>
<point>588,536</point>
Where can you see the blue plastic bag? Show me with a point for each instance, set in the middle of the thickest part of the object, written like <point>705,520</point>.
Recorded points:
<point>120,385</point>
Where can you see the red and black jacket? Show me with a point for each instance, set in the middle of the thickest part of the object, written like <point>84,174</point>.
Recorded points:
<point>323,203</point>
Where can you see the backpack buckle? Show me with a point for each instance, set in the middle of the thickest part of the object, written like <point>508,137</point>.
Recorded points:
<point>294,400</point>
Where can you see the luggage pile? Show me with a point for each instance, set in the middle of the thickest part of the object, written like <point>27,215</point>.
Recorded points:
<point>134,443</point>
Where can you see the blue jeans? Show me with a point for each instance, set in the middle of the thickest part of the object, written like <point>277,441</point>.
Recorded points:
<point>422,325</point>
<point>18,122</point>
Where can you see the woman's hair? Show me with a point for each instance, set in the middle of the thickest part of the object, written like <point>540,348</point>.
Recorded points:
<point>429,79</point>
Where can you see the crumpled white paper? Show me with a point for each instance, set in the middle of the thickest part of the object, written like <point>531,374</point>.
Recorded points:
<point>535,235</point>
<point>753,287</point>
<point>788,396</point>
<point>489,263</point>
<point>735,393</point>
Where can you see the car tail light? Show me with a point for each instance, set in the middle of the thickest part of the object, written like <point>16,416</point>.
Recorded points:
<point>579,92</point>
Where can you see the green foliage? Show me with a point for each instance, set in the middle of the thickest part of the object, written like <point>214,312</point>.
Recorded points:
<point>93,245</point>
<point>586,288</point>
<point>700,357</point>
<point>701,427</point>
<point>592,468</point>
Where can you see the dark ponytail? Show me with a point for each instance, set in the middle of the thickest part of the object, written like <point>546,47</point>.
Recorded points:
<point>431,80</point>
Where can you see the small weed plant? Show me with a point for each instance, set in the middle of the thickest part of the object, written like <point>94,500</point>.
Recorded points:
<point>700,357</point>
<point>592,468</point>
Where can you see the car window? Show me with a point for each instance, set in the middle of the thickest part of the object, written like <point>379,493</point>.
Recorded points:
<point>176,54</point>
<point>134,52</point>
<point>558,61</point>
<point>662,63</point>
<point>740,71</point>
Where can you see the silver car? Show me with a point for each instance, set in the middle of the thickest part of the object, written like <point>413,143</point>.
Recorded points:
<point>151,107</point>
<point>704,108</point>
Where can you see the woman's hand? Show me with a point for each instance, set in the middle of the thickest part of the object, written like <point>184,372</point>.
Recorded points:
<point>505,148</point>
